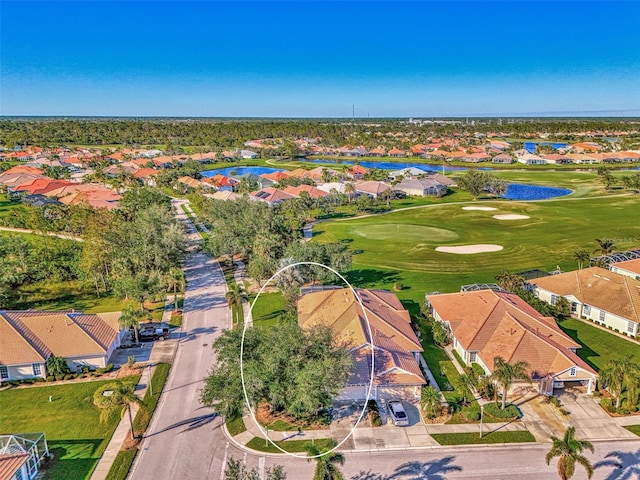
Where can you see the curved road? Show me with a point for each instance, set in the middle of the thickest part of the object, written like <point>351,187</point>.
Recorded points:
<point>185,440</point>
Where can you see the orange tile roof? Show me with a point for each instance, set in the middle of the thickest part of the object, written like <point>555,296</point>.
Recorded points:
<point>32,336</point>
<point>629,265</point>
<point>312,191</point>
<point>597,287</point>
<point>43,185</point>
<point>275,176</point>
<point>502,324</point>
<point>272,195</point>
<point>24,169</point>
<point>391,332</point>
<point>10,463</point>
<point>145,172</point>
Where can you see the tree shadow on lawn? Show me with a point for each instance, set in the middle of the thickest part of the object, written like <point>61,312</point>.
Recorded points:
<point>585,353</point>
<point>370,278</point>
<point>73,458</point>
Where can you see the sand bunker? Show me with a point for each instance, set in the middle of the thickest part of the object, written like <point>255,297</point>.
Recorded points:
<point>511,216</point>
<point>484,209</point>
<point>469,249</point>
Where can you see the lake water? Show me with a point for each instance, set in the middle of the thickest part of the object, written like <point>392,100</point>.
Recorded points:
<point>391,165</point>
<point>240,171</point>
<point>518,191</point>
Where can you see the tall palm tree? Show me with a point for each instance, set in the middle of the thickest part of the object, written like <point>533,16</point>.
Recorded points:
<point>618,374</point>
<point>569,450</point>
<point>130,318</point>
<point>122,395</point>
<point>235,296</point>
<point>350,190</point>
<point>605,246</point>
<point>430,402</point>
<point>176,281</point>
<point>326,463</point>
<point>582,256</point>
<point>505,373</point>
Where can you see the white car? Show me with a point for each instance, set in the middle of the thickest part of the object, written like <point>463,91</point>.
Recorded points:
<point>398,413</point>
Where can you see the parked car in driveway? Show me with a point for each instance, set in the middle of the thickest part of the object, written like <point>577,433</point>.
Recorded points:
<point>398,414</point>
<point>152,331</point>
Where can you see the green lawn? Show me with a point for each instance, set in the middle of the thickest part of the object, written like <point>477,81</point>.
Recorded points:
<point>268,308</point>
<point>474,438</point>
<point>260,444</point>
<point>235,425</point>
<point>554,231</point>
<point>70,422</point>
<point>6,206</point>
<point>635,429</point>
<point>599,346</point>
<point>122,464</point>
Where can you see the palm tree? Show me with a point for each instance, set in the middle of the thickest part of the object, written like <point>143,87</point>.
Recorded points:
<point>235,296</point>
<point>510,281</point>
<point>122,395</point>
<point>618,373</point>
<point>176,281</point>
<point>605,246</point>
<point>505,373</point>
<point>350,190</point>
<point>582,256</point>
<point>570,449</point>
<point>468,384</point>
<point>430,402</point>
<point>327,462</point>
<point>130,318</point>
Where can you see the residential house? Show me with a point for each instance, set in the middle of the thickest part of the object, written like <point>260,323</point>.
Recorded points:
<point>486,324</point>
<point>321,174</point>
<point>248,154</point>
<point>476,157</point>
<point>396,153</point>
<point>193,183</point>
<point>21,455</point>
<point>531,159</point>
<point>582,158</point>
<point>338,187</point>
<point>224,195</point>
<point>357,172</point>
<point>377,152</point>
<point>29,338</point>
<point>602,296</point>
<point>630,268</point>
<point>381,323</point>
<point>221,182</point>
<point>504,158</point>
<point>373,188</point>
<point>310,190</point>
<point>271,195</point>
<point>557,159</point>
<point>275,176</point>
<point>406,172</point>
<point>421,187</point>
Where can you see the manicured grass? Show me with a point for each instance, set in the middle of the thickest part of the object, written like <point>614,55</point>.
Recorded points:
<point>474,438</point>
<point>599,346</point>
<point>393,231</point>
<point>635,429</point>
<point>565,224</point>
<point>7,206</point>
<point>258,443</point>
<point>70,422</point>
<point>143,417</point>
<point>235,425</point>
<point>65,296</point>
<point>268,308</point>
<point>122,464</point>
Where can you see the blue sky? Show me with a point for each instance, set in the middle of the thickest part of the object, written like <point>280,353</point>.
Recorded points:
<point>316,59</point>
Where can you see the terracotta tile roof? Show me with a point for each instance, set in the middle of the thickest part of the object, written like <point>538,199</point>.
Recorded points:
<point>313,192</point>
<point>629,265</point>
<point>502,324</point>
<point>275,176</point>
<point>64,334</point>
<point>42,186</point>
<point>357,170</point>
<point>272,195</point>
<point>145,172</point>
<point>221,181</point>
<point>597,287</point>
<point>391,332</point>
<point>396,151</point>
<point>373,187</point>
<point>10,463</point>
<point>299,173</point>
<point>24,169</point>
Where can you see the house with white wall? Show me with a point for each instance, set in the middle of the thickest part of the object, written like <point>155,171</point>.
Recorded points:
<point>630,268</point>
<point>597,294</point>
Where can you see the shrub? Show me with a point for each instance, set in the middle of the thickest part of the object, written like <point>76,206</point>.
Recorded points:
<point>50,378</point>
<point>105,369</point>
<point>607,404</point>
<point>398,286</point>
<point>596,393</point>
<point>510,411</point>
<point>555,401</point>
<point>472,413</point>
<point>486,388</point>
<point>478,370</point>
<point>59,377</point>
<point>131,359</point>
<point>374,413</point>
<point>70,376</point>
<point>564,412</point>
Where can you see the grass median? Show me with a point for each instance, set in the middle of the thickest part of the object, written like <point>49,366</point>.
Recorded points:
<point>523,436</point>
<point>294,446</point>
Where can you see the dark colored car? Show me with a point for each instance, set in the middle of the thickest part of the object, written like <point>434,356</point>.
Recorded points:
<point>398,413</point>
<point>152,331</point>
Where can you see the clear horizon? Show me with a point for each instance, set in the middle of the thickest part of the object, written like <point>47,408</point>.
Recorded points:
<point>304,59</point>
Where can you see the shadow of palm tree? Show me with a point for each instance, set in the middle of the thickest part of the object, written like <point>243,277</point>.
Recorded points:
<point>434,470</point>
<point>626,464</point>
<point>192,423</point>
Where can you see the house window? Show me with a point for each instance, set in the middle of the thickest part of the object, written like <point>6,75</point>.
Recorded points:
<point>630,327</point>
<point>4,372</point>
<point>602,315</point>
<point>586,310</point>
<point>473,357</point>
<point>573,371</point>
<point>574,307</point>
<point>554,299</point>
<point>37,369</point>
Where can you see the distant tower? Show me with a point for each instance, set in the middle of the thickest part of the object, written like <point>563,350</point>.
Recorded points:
<point>353,111</point>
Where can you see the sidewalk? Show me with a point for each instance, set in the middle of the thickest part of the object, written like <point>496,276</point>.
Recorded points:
<point>239,275</point>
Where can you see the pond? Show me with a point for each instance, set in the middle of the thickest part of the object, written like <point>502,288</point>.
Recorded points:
<point>240,171</point>
<point>390,165</point>
<point>518,191</point>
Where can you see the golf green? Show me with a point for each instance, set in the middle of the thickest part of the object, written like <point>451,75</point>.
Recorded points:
<point>401,232</point>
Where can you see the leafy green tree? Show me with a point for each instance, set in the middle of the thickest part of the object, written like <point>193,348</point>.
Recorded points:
<point>505,373</point>
<point>569,452</point>
<point>582,257</point>
<point>441,333</point>
<point>327,463</point>
<point>57,366</point>
<point>122,395</point>
<point>510,282</point>
<point>620,373</point>
<point>475,182</point>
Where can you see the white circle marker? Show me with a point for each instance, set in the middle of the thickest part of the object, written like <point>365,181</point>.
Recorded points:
<point>244,390</point>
